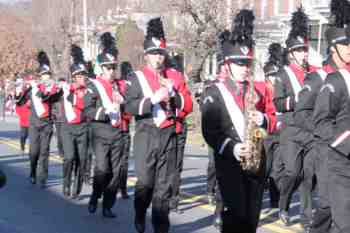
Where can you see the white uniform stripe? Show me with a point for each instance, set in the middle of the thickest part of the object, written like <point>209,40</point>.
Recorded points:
<point>222,148</point>
<point>182,101</point>
<point>341,138</point>
<point>98,113</point>
<point>294,81</point>
<point>38,105</point>
<point>142,102</point>
<point>158,113</point>
<point>234,111</point>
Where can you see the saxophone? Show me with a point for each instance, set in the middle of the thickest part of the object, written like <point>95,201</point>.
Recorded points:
<point>254,135</point>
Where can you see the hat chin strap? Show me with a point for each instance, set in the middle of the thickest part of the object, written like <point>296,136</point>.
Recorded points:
<point>340,57</point>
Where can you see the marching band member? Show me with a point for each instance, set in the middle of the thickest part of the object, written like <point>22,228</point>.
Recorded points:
<point>125,70</point>
<point>294,141</point>
<point>172,64</point>
<point>224,117</point>
<point>271,69</point>
<point>103,110</point>
<point>155,96</point>
<point>74,130</point>
<point>42,94</point>
<point>331,121</point>
<point>23,112</point>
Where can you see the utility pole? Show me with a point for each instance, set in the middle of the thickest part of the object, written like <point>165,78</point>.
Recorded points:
<point>86,50</point>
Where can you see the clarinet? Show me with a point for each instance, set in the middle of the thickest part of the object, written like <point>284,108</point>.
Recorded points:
<point>170,105</point>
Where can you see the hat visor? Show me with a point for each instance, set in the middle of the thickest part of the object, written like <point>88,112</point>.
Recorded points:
<point>271,73</point>
<point>241,61</point>
<point>161,51</point>
<point>44,72</point>
<point>108,63</point>
<point>342,41</point>
<point>298,46</point>
<point>81,72</point>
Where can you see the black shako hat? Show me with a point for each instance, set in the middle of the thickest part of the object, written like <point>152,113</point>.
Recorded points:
<point>109,54</point>
<point>78,65</point>
<point>155,41</point>
<point>221,39</point>
<point>340,19</point>
<point>275,60</point>
<point>237,46</point>
<point>44,64</point>
<point>298,35</point>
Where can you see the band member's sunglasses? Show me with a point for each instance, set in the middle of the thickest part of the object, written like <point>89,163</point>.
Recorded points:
<point>157,52</point>
<point>111,67</point>
<point>301,49</point>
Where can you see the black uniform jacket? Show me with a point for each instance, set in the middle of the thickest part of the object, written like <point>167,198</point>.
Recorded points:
<point>140,106</point>
<point>218,128</point>
<point>96,114</point>
<point>332,112</point>
<point>307,97</point>
<point>48,99</point>
<point>285,95</point>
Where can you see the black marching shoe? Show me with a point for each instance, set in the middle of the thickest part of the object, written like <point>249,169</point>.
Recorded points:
<point>75,196</point>
<point>107,213</point>
<point>92,206</point>
<point>176,209</point>
<point>140,224</point>
<point>284,216</point>
<point>217,223</point>
<point>125,194</point>
<point>32,180</point>
<point>307,229</point>
<point>66,191</point>
<point>211,199</point>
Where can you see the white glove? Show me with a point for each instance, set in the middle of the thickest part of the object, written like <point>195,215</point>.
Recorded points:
<point>161,94</point>
<point>258,117</point>
<point>241,150</point>
<point>114,108</point>
<point>237,151</point>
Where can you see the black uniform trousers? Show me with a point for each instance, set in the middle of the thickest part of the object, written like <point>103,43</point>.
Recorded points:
<point>241,193</point>
<point>155,163</point>
<point>292,154</point>
<point>180,151</point>
<point>271,145</point>
<point>40,138</point>
<point>59,125</point>
<point>23,137</point>
<point>339,191</point>
<point>107,145</point>
<point>75,153</point>
<point>125,161</point>
<point>322,219</point>
<point>211,176</point>
<point>88,173</point>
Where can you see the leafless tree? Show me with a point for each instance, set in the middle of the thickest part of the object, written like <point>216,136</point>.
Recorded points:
<point>16,48</point>
<point>201,22</point>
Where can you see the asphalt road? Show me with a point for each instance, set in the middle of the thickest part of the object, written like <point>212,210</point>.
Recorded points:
<point>25,208</point>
